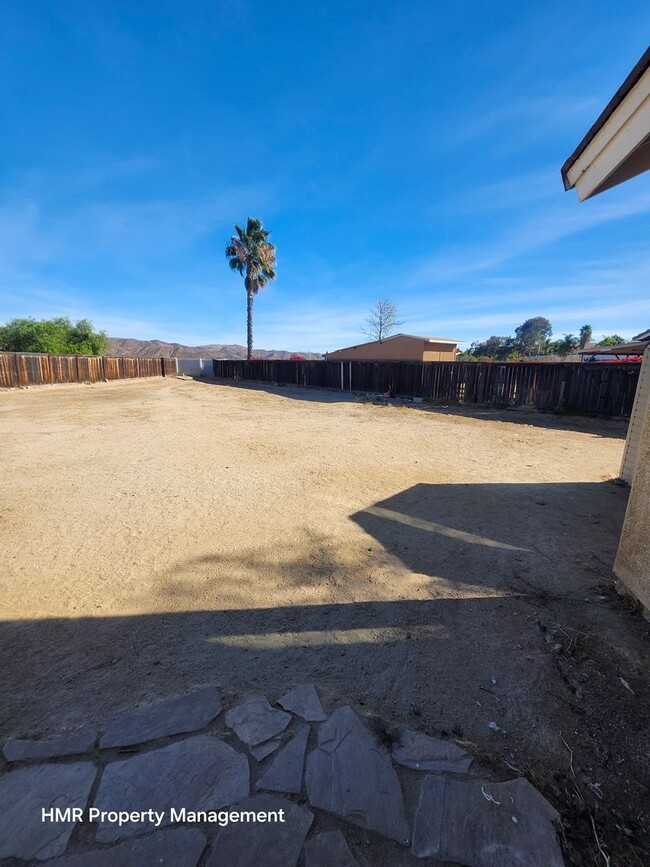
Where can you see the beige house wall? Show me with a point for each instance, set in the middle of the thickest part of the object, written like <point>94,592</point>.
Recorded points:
<point>632,564</point>
<point>635,428</point>
<point>439,352</point>
<point>396,349</point>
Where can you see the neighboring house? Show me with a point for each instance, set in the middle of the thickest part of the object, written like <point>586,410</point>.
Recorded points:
<point>617,148</point>
<point>399,347</point>
<point>636,346</point>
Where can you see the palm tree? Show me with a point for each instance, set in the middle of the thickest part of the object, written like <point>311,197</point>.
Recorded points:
<point>252,255</point>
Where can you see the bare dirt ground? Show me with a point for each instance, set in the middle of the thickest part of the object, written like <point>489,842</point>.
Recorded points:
<point>439,567</point>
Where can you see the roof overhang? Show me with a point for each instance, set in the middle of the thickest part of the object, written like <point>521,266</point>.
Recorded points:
<point>636,347</point>
<point>617,147</point>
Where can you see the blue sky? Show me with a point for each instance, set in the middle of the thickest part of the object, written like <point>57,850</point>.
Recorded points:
<point>406,150</point>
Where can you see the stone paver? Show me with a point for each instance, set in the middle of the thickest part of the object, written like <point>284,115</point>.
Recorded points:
<point>180,847</point>
<point>256,721</point>
<point>481,824</point>
<point>171,716</point>
<point>199,773</point>
<point>263,750</point>
<point>351,775</point>
<point>69,744</point>
<point>304,702</point>
<point>285,774</point>
<point>263,844</point>
<point>328,849</point>
<point>423,753</point>
<point>23,794</point>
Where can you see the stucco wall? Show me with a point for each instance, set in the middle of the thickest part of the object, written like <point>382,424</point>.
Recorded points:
<point>635,428</point>
<point>195,366</point>
<point>439,352</point>
<point>396,349</point>
<point>632,565</point>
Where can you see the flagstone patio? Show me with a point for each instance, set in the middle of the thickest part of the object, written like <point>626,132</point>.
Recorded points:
<point>341,788</point>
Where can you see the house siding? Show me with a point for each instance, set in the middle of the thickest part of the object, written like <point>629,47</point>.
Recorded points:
<point>396,349</point>
<point>632,564</point>
<point>439,352</point>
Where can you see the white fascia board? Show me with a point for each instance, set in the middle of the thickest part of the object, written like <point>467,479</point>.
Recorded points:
<point>621,135</point>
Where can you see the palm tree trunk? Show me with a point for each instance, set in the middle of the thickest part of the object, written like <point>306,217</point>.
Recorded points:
<point>249,303</point>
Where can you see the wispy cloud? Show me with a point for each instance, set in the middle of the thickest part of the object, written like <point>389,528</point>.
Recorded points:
<point>100,172</point>
<point>513,193</point>
<point>117,231</point>
<point>540,230</point>
<point>531,117</point>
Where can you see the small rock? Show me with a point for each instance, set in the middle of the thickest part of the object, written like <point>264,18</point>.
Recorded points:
<point>416,709</point>
<point>171,716</point>
<point>485,824</point>
<point>69,744</point>
<point>304,701</point>
<point>270,843</point>
<point>198,773</point>
<point>256,721</point>
<point>25,792</point>
<point>329,849</point>
<point>351,775</point>
<point>285,774</point>
<point>261,751</point>
<point>180,847</point>
<point>423,753</point>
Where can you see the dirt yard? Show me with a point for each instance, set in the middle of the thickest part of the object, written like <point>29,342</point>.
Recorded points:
<point>440,567</point>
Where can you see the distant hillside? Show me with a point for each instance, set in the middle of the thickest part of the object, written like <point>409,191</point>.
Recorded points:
<point>127,346</point>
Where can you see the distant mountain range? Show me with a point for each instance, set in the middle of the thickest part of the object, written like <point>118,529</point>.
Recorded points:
<point>127,346</point>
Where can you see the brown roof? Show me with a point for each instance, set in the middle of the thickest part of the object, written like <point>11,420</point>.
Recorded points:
<point>410,337</point>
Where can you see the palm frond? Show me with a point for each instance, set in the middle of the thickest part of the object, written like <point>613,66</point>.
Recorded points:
<point>253,256</point>
<point>251,253</point>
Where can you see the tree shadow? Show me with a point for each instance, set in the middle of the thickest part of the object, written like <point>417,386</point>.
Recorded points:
<point>481,584</point>
<point>458,566</point>
<point>601,426</point>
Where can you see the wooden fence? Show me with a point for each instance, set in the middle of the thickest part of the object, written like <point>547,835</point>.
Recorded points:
<point>591,389</point>
<point>20,369</point>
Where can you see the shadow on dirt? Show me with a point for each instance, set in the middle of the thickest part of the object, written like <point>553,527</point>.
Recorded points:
<point>512,621</point>
<point>614,428</point>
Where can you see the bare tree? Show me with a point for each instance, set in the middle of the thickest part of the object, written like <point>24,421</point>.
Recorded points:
<point>382,320</point>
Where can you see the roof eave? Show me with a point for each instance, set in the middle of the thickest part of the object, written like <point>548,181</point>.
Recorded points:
<point>617,147</point>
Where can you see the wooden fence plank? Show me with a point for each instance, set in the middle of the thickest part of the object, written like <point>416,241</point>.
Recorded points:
<point>593,389</point>
<point>19,369</point>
